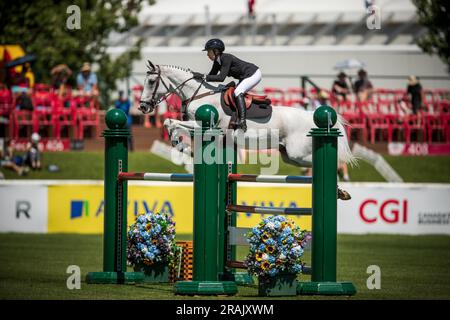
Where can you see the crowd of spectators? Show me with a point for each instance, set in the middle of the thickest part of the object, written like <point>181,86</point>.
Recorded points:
<point>374,114</point>
<point>69,101</point>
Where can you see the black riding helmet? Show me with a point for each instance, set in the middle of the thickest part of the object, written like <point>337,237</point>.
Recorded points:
<point>215,44</point>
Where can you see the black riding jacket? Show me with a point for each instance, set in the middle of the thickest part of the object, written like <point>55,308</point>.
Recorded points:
<point>230,67</point>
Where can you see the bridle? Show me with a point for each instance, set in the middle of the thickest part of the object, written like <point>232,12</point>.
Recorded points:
<point>159,79</point>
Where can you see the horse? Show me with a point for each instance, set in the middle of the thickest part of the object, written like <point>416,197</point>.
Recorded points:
<point>291,124</point>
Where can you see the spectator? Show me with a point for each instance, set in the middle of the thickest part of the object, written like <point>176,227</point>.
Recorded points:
<point>369,3</point>
<point>22,98</point>
<point>320,99</point>
<point>414,90</point>
<point>33,155</point>
<point>362,87</point>
<point>60,75</point>
<point>124,104</point>
<point>343,171</point>
<point>251,9</point>
<point>87,81</point>
<point>340,88</point>
<point>9,161</point>
<point>20,79</point>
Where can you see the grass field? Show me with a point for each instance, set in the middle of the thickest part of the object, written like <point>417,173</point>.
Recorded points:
<point>89,165</point>
<point>33,266</point>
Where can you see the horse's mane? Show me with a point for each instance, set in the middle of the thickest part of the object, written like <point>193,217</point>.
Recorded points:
<point>176,67</point>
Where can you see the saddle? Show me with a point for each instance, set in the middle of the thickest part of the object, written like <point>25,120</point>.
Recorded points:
<point>258,106</point>
<point>249,98</point>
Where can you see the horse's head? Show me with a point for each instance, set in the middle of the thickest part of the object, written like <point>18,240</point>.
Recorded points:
<point>150,95</point>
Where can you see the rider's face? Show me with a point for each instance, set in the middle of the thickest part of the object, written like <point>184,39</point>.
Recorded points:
<point>211,54</point>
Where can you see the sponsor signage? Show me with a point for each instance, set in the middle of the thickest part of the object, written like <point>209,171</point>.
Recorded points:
<point>418,149</point>
<point>23,208</point>
<point>395,208</point>
<point>78,207</point>
<point>44,144</point>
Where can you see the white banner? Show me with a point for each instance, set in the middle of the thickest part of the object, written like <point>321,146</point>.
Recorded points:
<point>23,207</point>
<point>395,208</point>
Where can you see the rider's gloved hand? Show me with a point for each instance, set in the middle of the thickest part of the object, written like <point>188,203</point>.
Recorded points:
<point>198,75</point>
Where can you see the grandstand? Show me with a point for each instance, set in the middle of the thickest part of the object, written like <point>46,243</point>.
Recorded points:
<point>276,23</point>
<point>288,39</point>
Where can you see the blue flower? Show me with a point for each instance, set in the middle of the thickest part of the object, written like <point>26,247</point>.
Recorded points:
<point>296,268</point>
<point>149,255</point>
<point>273,272</point>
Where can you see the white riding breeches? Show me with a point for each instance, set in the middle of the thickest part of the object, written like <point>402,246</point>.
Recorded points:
<point>248,83</point>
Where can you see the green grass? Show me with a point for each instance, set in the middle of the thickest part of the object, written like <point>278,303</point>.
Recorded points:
<point>33,266</point>
<point>421,169</point>
<point>89,165</point>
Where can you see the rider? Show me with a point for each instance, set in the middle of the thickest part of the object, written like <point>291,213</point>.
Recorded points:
<point>225,65</point>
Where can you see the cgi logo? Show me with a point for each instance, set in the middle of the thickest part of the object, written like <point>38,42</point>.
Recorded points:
<point>390,211</point>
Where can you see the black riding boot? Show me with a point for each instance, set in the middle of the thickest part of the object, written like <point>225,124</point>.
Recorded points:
<point>242,112</point>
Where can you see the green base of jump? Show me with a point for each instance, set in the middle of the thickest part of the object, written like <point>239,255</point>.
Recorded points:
<point>242,278</point>
<point>326,288</point>
<point>114,277</point>
<point>237,277</point>
<point>205,288</point>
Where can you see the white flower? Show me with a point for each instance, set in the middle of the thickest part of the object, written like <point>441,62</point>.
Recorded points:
<point>265,256</point>
<point>282,256</point>
<point>270,225</point>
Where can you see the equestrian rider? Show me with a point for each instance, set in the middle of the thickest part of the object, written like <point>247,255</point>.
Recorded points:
<point>227,65</point>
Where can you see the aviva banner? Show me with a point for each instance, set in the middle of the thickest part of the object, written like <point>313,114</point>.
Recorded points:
<point>79,208</point>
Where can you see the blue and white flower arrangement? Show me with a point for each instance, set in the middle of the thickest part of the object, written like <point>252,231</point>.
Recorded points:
<point>151,239</point>
<point>276,246</point>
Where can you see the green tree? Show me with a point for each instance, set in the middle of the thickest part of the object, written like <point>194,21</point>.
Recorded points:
<point>435,16</point>
<point>41,28</point>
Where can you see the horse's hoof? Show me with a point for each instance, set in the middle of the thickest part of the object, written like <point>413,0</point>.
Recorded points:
<point>343,195</point>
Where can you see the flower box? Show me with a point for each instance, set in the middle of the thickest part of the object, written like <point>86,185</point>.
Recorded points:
<point>283,284</point>
<point>158,272</point>
<point>151,246</point>
<point>276,248</point>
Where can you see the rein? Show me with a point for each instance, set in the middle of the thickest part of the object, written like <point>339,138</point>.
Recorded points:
<point>185,103</point>
<point>159,79</point>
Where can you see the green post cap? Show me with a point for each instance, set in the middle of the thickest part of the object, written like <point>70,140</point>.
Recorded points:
<point>116,119</point>
<point>322,114</point>
<point>207,115</point>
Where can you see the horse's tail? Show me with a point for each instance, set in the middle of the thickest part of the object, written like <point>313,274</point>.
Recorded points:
<point>344,152</point>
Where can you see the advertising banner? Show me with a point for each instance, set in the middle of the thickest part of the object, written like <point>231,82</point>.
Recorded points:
<point>80,208</point>
<point>23,207</point>
<point>418,149</point>
<point>395,208</point>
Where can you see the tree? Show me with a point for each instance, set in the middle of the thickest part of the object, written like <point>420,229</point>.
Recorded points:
<point>435,16</point>
<point>45,28</point>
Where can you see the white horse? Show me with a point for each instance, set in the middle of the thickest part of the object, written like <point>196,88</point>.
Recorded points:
<point>292,124</point>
